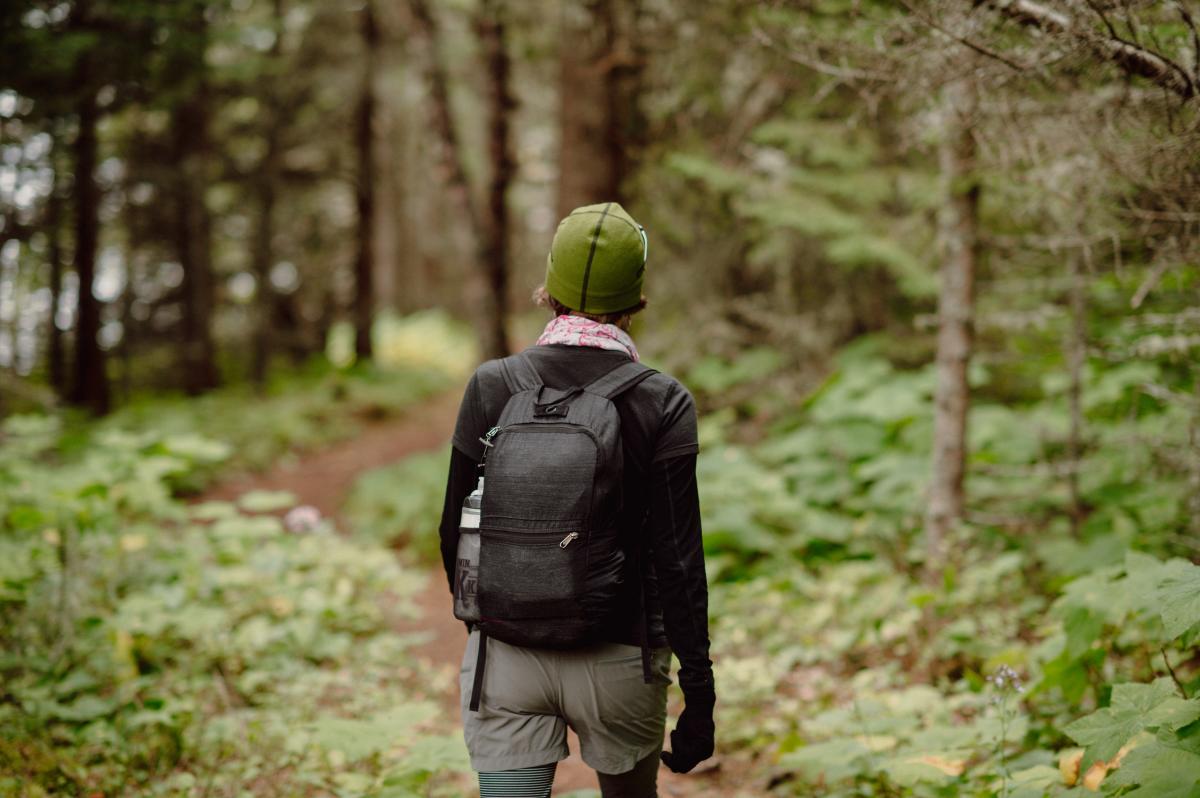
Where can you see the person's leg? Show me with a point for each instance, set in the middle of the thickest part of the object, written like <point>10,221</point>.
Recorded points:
<point>534,782</point>
<point>641,782</point>
<point>619,718</point>
<point>517,724</point>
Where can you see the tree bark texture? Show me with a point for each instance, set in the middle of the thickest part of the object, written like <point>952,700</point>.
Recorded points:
<point>958,231</point>
<point>56,364</point>
<point>267,181</point>
<point>364,141</point>
<point>389,262</point>
<point>261,262</point>
<point>495,242</point>
<point>593,109</point>
<point>126,349</point>
<point>193,241</point>
<point>450,160</point>
<point>484,306</point>
<point>90,388</point>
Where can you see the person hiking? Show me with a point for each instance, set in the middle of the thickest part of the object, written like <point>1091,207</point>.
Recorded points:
<point>538,658</point>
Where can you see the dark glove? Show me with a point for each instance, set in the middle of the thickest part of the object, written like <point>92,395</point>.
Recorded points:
<point>692,740</point>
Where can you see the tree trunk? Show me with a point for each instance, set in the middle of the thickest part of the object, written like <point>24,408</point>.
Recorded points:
<point>263,253</point>
<point>14,324</point>
<point>364,264</point>
<point>405,181</point>
<point>1076,357</point>
<point>193,241</point>
<point>394,275</point>
<point>125,351</point>
<point>389,211</point>
<point>450,152</point>
<point>480,291</point>
<point>55,365</point>
<point>261,262</point>
<point>91,382</point>
<point>598,116</point>
<point>958,225</point>
<point>494,247</point>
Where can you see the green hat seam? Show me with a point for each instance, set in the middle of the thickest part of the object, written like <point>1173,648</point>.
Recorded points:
<point>587,270</point>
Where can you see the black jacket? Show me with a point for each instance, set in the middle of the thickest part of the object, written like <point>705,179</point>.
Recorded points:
<point>658,432</point>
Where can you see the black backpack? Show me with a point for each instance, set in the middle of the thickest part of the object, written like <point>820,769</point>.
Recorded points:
<point>551,560</point>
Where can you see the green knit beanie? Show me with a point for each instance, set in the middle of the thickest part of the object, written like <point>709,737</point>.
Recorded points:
<point>597,260</point>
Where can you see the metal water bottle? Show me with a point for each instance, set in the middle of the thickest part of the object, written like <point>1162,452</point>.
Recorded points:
<point>466,561</point>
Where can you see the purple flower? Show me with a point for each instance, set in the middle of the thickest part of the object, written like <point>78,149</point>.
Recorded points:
<point>304,518</point>
<point>1005,679</point>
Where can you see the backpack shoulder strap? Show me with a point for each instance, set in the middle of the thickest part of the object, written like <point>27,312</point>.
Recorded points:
<point>519,374</point>
<point>619,380</point>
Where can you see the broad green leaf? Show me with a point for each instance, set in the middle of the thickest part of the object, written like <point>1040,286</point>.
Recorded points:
<point>1180,597</point>
<point>1038,777</point>
<point>1156,770</point>
<point>213,510</point>
<point>74,682</point>
<point>85,708</point>
<point>1135,707</point>
<point>909,771</point>
<point>715,375</point>
<point>435,753</point>
<point>26,517</point>
<point>245,527</point>
<point>266,501</point>
<point>831,761</point>
<point>1082,628</point>
<point>358,739</point>
<point>198,448</point>
<point>352,783</point>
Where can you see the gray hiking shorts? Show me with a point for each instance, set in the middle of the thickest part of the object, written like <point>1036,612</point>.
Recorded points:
<point>530,696</point>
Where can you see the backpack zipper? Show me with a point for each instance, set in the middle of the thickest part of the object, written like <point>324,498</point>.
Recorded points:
<point>551,426</point>
<point>530,538</point>
<point>542,426</point>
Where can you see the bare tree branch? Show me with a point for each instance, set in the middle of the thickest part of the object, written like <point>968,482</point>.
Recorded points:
<point>842,72</point>
<point>1149,284</point>
<point>1170,670</point>
<point>963,40</point>
<point>1190,21</point>
<point>1103,18</point>
<point>1129,56</point>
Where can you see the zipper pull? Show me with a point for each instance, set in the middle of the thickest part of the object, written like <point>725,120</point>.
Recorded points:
<point>567,540</point>
<point>486,440</point>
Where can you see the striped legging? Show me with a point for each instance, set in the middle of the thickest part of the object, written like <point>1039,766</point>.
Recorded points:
<point>531,782</point>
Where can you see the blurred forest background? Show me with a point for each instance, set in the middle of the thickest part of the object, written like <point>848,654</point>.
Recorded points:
<point>930,268</point>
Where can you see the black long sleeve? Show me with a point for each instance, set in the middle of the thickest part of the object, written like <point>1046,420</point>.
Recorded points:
<point>459,483</point>
<point>658,429</point>
<point>678,549</point>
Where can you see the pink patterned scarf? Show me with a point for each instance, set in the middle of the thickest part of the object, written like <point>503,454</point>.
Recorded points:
<point>580,331</point>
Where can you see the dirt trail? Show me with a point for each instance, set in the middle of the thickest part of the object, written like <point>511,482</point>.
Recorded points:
<point>324,478</point>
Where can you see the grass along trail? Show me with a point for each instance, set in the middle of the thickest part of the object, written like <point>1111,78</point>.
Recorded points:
<point>324,479</point>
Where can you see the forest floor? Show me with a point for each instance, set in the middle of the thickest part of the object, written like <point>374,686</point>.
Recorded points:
<point>324,478</point>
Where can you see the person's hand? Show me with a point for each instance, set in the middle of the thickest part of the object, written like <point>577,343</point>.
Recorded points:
<point>692,740</point>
